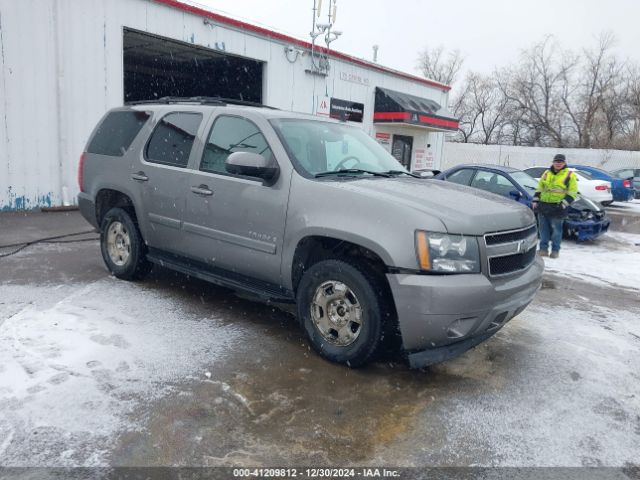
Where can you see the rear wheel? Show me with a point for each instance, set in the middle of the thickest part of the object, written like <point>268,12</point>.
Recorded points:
<point>123,250</point>
<point>342,308</point>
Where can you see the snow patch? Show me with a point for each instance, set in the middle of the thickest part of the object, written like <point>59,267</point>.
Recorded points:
<point>612,260</point>
<point>77,368</point>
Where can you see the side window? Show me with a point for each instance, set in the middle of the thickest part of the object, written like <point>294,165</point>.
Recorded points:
<point>229,135</point>
<point>535,172</point>
<point>116,132</point>
<point>172,139</point>
<point>463,177</point>
<point>493,182</point>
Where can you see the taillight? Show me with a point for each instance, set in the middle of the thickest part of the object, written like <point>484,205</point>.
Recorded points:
<point>601,187</point>
<point>81,171</point>
<point>626,183</point>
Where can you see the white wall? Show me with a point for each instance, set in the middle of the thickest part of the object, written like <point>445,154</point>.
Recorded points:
<point>62,68</point>
<point>524,157</point>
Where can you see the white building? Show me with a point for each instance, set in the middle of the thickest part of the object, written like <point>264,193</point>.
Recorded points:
<point>63,63</point>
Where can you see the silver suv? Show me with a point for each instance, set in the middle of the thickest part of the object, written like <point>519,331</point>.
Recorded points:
<point>294,208</point>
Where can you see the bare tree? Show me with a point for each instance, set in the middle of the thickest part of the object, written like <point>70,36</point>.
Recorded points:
<point>480,106</point>
<point>535,89</point>
<point>468,117</point>
<point>436,65</point>
<point>629,137</point>
<point>591,99</point>
<point>552,97</point>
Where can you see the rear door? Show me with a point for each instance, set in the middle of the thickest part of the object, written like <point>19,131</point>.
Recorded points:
<point>162,178</point>
<point>233,222</point>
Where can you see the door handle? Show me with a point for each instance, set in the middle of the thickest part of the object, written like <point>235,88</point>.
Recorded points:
<point>139,177</point>
<point>202,190</point>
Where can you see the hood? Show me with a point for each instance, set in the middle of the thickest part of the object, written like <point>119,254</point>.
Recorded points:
<point>461,209</point>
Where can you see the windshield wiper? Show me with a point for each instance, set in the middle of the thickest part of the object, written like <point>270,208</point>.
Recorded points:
<point>347,171</point>
<point>401,172</point>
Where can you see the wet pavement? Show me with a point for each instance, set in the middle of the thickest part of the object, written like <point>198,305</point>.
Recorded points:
<point>558,386</point>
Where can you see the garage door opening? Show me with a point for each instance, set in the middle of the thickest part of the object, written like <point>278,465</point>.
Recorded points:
<point>157,67</point>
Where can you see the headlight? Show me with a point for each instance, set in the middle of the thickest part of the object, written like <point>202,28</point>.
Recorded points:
<point>440,252</point>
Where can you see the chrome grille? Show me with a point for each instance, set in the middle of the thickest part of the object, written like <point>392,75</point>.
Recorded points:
<point>511,251</point>
<point>511,236</point>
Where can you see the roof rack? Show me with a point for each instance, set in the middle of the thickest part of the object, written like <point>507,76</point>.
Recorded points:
<point>201,100</point>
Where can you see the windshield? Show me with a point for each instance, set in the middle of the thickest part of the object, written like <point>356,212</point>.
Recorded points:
<point>525,180</point>
<point>320,147</point>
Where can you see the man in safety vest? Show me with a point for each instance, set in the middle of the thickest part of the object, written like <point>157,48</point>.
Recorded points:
<point>557,188</point>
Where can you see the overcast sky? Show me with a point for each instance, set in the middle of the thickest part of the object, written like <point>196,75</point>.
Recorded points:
<point>490,33</point>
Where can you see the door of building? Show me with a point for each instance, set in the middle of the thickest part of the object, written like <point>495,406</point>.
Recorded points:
<point>401,149</point>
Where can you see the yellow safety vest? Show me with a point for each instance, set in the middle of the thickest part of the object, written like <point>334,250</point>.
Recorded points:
<point>553,187</point>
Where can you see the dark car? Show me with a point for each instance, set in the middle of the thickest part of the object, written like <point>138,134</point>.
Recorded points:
<point>586,220</point>
<point>631,174</point>
<point>620,188</point>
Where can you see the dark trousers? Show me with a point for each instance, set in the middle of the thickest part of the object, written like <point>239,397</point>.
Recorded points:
<point>550,229</point>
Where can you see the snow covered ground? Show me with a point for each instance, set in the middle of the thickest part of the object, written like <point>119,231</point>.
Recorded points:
<point>72,370</point>
<point>625,207</point>
<point>82,362</point>
<point>612,260</point>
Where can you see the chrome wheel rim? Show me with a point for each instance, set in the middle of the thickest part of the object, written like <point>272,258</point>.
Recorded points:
<point>118,243</point>
<point>336,313</point>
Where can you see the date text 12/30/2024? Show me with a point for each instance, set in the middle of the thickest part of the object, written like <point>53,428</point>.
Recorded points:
<point>315,473</point>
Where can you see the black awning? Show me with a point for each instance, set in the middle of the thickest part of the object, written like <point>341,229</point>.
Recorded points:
<point>397,107</point>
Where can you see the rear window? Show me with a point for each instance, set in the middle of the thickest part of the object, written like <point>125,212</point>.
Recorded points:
<point>116,132</point>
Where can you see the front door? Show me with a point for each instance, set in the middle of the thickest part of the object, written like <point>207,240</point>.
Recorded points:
<point>401,149</point>
<point>233,222</point>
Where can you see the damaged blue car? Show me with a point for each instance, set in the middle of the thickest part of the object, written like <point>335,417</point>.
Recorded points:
<point>586,219</point>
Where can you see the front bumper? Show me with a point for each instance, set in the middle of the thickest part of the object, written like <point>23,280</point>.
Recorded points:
<point>585,230</point>
<point>441,316</point>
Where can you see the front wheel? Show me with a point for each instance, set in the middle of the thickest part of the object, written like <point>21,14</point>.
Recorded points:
<point>342,312</point>
<point>123,250</point>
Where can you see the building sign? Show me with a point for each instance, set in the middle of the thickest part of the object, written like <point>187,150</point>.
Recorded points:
<point>354,78</point>
<point>323,106</point>
<point>428,163</point>
<point>419,159</point>
<point>345,110</point>
<point>383,138</point>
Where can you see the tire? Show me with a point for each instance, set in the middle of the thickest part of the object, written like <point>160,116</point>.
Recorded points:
<point>123,250</point>
<point>343,309</point>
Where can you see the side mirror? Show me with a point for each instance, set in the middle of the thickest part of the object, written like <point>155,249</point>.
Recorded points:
<point>252,164</point>
<point>515,194</point>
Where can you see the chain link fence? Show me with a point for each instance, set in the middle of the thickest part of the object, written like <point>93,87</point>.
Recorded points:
<point>524,157</point>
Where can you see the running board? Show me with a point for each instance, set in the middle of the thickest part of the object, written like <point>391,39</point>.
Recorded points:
<point>263,290</point>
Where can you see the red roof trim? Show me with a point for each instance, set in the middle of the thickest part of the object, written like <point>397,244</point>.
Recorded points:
<point>406,117</point>
<point>392,116</point>
<point>285,38</point>
<point>439,121</point>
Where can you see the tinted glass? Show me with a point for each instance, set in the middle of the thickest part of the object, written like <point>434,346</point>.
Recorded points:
<point>624,173</point>
<point>526,181</point>
<point>318,146</point>
<point>493,182</point>
<point>229,135</point>
<point>463,177</point>
<point>116,133</point>
<point>596,172</point>
<point>535,172</point>
<point>171,141</point>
